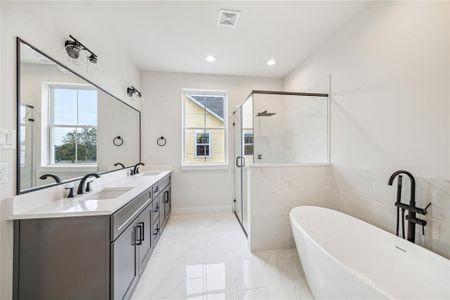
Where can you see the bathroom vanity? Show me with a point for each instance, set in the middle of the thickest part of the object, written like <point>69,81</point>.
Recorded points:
<point>91,247</point>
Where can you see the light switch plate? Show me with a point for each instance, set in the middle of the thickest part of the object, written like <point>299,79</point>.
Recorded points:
<point>4,173</point>
<point>7,139</point>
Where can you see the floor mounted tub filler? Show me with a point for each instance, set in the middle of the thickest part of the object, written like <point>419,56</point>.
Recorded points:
<point>346,258</point>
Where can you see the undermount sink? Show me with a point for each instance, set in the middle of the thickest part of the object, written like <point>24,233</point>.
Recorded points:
<point>109,193</point>
<point>151,173</point>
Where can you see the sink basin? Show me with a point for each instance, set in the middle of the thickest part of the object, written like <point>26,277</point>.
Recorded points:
<point>109,193</point>
<point>151,173</point>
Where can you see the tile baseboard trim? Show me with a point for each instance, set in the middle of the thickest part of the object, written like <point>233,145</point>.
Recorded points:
<point>199,210</point>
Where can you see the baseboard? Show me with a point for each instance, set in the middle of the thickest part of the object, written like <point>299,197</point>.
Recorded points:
<point>197,210</point>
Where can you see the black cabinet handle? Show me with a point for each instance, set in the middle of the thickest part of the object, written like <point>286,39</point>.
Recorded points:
<point>137,241</point>
<point>156,209</point>
<point>142,232</point>
<point>166,197</point>
<point>156,230</point>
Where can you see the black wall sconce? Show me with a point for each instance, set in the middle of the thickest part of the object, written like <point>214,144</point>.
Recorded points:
<point>75,48</point>
<point>131,90</point>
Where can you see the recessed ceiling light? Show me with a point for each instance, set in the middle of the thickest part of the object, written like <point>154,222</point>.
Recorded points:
<point>271,62</point>
<point>210,58</point>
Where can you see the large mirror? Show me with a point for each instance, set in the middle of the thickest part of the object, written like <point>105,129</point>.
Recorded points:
<point>67,126</point>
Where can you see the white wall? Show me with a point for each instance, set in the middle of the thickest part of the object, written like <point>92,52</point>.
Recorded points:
<point>46,25</point>
<point>390,69</point>
<point>193,191</point>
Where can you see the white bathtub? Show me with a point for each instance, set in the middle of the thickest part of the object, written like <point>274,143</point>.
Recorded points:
<point>344,257</point>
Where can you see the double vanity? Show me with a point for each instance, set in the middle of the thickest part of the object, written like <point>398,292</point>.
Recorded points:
<point>93,246</point>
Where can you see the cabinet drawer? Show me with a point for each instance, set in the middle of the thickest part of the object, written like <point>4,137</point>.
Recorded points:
<point>125,215</point>
<point>160,185</point>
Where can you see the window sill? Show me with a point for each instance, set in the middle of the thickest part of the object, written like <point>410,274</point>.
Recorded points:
<point>209,167</point>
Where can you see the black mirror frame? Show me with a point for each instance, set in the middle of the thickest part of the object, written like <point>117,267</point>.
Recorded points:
<point>20,41</point>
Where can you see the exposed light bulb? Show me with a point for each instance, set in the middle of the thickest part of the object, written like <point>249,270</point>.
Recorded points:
<point>210,58</point>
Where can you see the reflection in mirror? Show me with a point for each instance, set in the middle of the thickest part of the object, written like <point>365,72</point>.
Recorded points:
<point>67,125</point>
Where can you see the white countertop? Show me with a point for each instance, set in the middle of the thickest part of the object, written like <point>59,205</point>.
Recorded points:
<point>87,205</point>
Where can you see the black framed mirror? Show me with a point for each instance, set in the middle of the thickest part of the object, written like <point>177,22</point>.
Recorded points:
<point>66,124</point>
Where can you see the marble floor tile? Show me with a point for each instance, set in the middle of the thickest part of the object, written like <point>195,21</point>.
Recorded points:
<point>207,257</point>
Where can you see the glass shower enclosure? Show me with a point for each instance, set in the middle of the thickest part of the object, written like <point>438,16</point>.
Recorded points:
<point>277,128</point>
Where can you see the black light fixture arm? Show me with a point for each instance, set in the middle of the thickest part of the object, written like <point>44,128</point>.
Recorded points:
<point>131,90</point>
<point>76,43</point>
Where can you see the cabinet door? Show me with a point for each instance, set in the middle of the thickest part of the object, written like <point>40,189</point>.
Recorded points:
<point>144,223</point>
<point>125,262</point>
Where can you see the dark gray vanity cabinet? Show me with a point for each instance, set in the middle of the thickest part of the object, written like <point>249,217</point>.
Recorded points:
<point>88,257</point>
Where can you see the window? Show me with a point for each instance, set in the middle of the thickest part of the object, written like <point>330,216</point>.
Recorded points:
<point>202,144</point>
<point>73,124</point>
<point>248,142</point>
<point>204,128</point>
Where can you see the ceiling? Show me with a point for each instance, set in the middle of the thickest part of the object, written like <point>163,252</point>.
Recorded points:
<point>176,36</point>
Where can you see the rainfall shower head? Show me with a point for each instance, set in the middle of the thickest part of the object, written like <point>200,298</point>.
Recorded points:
<point>265,114</point>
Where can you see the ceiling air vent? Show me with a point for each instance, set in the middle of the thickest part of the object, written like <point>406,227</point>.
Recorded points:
<point>228,18</point>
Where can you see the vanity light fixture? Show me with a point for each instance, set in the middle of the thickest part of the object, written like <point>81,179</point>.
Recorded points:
<point>210,58</point>
<point>79,53</point>
<point>271,62</point>
<point>131,91</point>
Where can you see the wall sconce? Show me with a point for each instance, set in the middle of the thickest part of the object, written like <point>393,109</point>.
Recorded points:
<point>79,54</point>
<point>131,91</point>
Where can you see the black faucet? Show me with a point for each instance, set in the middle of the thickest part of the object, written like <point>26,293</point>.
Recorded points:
<point>83,180</point>
<point>119,164</point>
<point>411,208</point>
<point>56,178</point>
<point>135,170</point>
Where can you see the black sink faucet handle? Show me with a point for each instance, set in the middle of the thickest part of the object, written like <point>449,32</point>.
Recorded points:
<point>88,186</point>
<point>70,194</point>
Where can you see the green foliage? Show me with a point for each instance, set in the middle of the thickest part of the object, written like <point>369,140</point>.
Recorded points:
<point>87,146</point>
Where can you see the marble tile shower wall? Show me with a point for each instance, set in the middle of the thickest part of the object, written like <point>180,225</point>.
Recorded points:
<point>366,195</point>
<point>274,191</point>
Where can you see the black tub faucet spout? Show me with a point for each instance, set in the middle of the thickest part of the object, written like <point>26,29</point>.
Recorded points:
<point>411,207</point>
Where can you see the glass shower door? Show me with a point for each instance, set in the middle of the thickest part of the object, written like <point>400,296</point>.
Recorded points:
<point>243,156</point>
<point>237,169</point>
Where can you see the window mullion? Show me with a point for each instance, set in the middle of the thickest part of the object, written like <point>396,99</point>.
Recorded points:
<point>204,131</point>
<point>76,128</point>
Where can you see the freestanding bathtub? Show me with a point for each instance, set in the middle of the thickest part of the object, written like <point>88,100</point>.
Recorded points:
<point>346,258</point>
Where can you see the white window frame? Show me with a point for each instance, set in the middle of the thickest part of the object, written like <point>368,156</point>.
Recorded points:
<point>246,131</point>
<point>204,166</point>
<point>202,144</point>
<point>52,125</point>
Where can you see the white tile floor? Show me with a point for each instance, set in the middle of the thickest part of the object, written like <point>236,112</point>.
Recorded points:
<point>206,257</point>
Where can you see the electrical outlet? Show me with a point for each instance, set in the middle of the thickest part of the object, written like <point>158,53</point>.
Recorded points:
<point>3,173</point>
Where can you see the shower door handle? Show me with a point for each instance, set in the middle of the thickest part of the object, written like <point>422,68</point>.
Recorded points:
<point>240,159</point>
